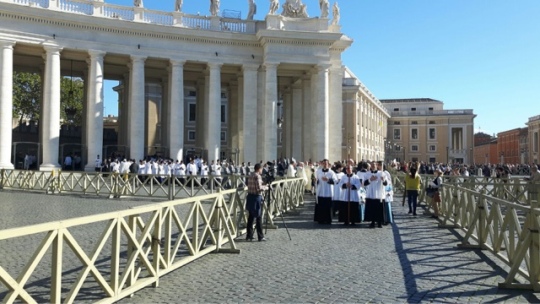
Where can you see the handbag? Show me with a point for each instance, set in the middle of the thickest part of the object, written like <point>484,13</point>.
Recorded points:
<point>430,191</point>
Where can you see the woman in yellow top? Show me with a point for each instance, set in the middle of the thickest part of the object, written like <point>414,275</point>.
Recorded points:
<point>413,183</point>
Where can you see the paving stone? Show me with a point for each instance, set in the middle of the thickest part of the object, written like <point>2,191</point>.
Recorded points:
<point>409,261</point>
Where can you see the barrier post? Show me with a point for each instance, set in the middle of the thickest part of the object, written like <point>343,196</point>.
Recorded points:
<point>2,173</point>
<point>171,182</point>
<point>534,250</point>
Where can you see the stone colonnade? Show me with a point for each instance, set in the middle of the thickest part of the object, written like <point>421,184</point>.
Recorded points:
<point>313,106</point>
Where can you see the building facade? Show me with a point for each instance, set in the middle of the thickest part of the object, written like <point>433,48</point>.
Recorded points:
<point>422,130</point>
<point>485,149</point>
<point>365,121</point>
<point>187,82</point>
<point>508,146</point>
<point>533,131</point>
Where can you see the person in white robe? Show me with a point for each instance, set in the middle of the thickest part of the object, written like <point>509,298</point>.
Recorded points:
<point>326,178</point>
<point>349,185</point>
<point>291,170</point>
<point>336,197</point>
<point>375,181</point>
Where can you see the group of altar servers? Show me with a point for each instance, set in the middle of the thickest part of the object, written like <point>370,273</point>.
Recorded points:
<point>362,193</point>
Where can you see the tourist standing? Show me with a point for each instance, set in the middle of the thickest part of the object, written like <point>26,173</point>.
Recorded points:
<point>412,186</point>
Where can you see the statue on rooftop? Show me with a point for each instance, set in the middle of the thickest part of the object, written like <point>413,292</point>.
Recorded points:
<point>252,9</point>
<point>138,3</point>
<point>274,6</point>
<point>214,7</point>
<point>178,5</point>
<point>294,9</point>
<point>325,7</point>
<point>335,12</point>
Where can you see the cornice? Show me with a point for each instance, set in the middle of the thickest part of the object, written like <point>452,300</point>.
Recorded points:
<point>297,38</point>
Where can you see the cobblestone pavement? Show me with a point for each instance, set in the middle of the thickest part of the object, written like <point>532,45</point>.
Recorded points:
<point>409,261</point>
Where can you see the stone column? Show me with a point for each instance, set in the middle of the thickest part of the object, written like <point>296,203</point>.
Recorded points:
<point>212,141</point>
<point>94,109</point>
<point>270,117</point>
<point>136,108</point>
<point>239,138</point>
<point>286,144</point>
<point>200,126</point>
<point>297,122</point>
<point>261,95</point>
<point>6,102</point>
<point>233,116</point>
<point>50,122</point>
<point>176,110</point>
<point>336,113</point>
<point>248,139</point>
<point>322,119</point>
<point>307,130</point>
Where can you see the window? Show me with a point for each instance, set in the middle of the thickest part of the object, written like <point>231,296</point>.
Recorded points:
<point>432,122</point>
<point>413,109</point>
<point>223,95</point>
<point>396,109</point>
<point>432,148</point>
<point>191,135</point>
<point>432,133</point>
<point>432,160</point>
<point>430,109</point>
<point>397,134</point>
<point>414,133</point>
<point>223,136</point>
<point>414,148</point>
<point>223,114</point>
<point>192,111</point>
<point>397,122</point>
<point>192,93</point>
<point>414,122</point>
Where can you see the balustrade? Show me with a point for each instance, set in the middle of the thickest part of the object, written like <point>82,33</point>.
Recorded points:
<point>103,9</point>
<point>77,6</point>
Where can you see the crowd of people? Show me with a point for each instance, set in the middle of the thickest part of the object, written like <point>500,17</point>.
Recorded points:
<point>356,193</point>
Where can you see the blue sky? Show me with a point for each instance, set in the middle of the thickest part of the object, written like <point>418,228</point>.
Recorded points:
<point>471,54</point>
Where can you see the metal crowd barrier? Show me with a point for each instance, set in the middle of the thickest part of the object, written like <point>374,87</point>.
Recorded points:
<point>117,185</point>
<point>498,215</point>
<point>507,229</point>
<point>106,257</point>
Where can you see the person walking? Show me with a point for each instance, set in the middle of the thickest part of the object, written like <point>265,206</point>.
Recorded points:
<point>412,186</point>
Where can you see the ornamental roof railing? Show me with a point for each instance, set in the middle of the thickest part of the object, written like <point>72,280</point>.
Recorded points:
<point>179,19</point>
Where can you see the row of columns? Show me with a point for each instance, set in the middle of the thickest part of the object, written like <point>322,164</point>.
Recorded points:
<point>257,120</point>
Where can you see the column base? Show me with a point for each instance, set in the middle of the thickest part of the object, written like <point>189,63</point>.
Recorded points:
<point>8,166</point>
<point>49,167</point>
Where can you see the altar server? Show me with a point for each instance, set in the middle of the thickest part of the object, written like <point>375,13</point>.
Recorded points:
<point>326,178</point>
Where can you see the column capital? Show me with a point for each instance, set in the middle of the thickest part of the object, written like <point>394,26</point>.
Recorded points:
<point>177,62</point>
<point>7,43</point>
<point>96,54</point>
<point>250,67</point>
<point>322,67</point>
<point>270,65</point>
<point>137,58</point>
<point>214,65</point>
<point>52,48</point>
